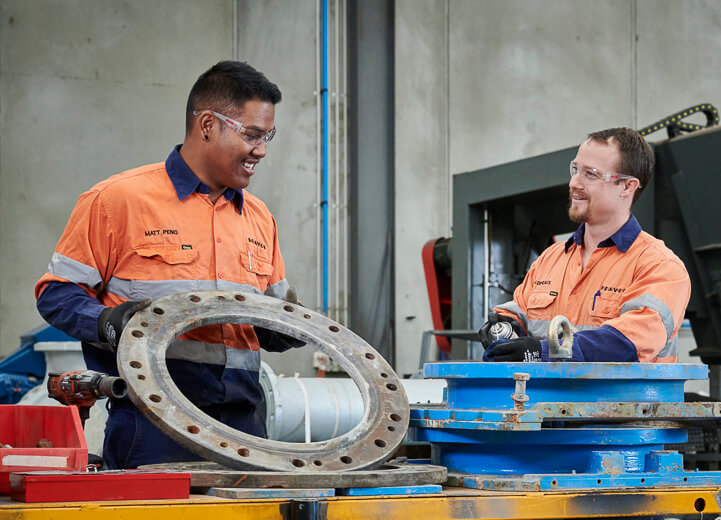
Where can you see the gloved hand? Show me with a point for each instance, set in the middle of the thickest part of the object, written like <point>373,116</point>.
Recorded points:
<point>291,296</point>
<point>493,318</point>
<point>113,320</point>
<point>526,349</point>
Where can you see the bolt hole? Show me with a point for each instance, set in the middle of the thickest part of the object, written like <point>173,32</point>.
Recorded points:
<point>136,364</point>
<point>298,463</point>
<point>137,334</point>
<point>699,505</point>
<point>143,323</point>
<point>643,481</point>
<point>240,297</point>
<point>391,386</point>
<point>158,310</point>
<point>380,443</point>
<point>317,463</point>
<point>391,428</point>
<point>370,355</point>
<point>644,411</point>
<point>345,459</point>
<point>288,308</point>
<point>155,398</point>
<point>195,299</point>
<point>221,297</point>
<point>223,444</point>
<point>141,377</point>
<point>244,452</point>
<point>395,417</point>
<point>306,316</point>
<point>598,481</point>
<point>554,483</point>
<point>384,375</point>
<point>193,429</point>
<point>333,328</point>
<point>563,411</point>
<point>685,479</point>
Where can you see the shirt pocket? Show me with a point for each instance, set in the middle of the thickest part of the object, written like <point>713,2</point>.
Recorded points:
<point>160,262</point>
<point>258,268</point>
<point>603,309</point>
<point>168,255</point>
<point>540,306</point>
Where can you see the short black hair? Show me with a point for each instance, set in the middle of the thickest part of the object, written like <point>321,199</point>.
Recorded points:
<point>637,157</point>
<point>226,86</point>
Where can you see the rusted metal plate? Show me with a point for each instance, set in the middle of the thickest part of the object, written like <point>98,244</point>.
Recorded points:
<point>141,362</point>
<point>531,419</point>
<point>205,475</point>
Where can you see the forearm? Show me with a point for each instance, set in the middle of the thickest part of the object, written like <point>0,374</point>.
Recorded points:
<point>603,344</point>
<point>69,308</point>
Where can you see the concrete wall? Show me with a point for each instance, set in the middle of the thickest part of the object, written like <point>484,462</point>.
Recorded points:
<point>280,37</point>
<point>483,82</point>
<point>88,88</point>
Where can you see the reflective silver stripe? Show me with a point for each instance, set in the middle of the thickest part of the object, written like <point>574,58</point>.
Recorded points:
<point>136,289</point>
<point>513,307</point>
<point>243,359</point>
<point>651,302</point>
<point>197,352</point>
<point>670,348</point>
<point>214,354</point>
<point>278,289</point>
<point>232,286</point>
<point>74,271</point>
<point>539,328</point>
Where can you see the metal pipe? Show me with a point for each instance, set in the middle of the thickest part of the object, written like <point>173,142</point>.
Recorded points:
<point>326,145</point>
<point>346,173</point>
<point>318,170</point>
<point>486,264</point>
<point>334,405</point>
<point>337,173</point>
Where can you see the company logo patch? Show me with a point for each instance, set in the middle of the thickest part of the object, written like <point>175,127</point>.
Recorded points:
<point>553,293</point>
<point>613,289</point>
<point>186,246</point>
<point>259,244</point>
<point>543,282</point>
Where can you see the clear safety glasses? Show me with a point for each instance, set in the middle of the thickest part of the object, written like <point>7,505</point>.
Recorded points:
<point>593,176</point>
<point>251,136</point>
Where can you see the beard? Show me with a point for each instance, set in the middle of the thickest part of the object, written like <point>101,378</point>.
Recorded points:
<point>576,214</point>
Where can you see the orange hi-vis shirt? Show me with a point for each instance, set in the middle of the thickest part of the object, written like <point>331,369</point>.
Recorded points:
<point>136,235</point>
<point>627,304</point>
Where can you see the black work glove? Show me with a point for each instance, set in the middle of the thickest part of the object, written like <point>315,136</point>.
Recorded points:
<point>493,318</point>
<point>277,341</point>
<point>526,349</point>
<point>291,296</point>
<point>112,320</point>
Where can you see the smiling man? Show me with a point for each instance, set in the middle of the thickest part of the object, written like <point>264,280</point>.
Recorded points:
<point>183,225</point>
<point>622,289</point>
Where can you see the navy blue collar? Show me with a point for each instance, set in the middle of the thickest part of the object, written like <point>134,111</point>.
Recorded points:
<point>622,239</point>
<point>186,182</point>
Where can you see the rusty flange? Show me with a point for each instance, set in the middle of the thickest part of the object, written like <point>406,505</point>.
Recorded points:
<point>141,361</point>
<point>205,475</point>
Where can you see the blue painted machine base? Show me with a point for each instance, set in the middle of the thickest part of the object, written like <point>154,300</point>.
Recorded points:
<point>429,489</point>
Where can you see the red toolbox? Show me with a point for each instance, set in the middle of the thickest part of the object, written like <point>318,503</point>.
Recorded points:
<point>59,486</point>
<point>40,438</point>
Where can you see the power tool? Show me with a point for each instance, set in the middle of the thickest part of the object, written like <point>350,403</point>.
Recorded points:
<point>82,388</point>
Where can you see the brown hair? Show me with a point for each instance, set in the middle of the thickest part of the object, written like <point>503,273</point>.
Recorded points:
<point>637,157</point>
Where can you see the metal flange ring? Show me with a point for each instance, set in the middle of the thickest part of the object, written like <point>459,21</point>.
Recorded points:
<point>141,362</point>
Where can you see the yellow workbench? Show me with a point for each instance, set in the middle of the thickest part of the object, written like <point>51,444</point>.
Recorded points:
<point>452,503</point>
